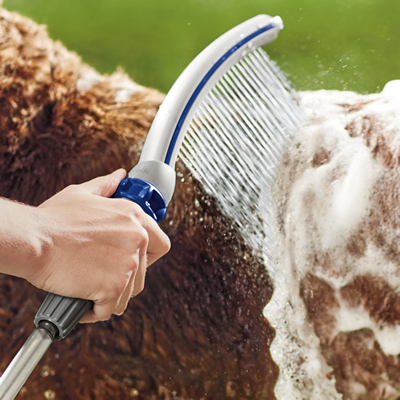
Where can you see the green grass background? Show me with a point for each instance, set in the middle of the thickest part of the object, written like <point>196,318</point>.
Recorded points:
<point>326,44</point>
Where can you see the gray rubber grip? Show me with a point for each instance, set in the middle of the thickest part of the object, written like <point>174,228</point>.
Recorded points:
<point>63,312</point>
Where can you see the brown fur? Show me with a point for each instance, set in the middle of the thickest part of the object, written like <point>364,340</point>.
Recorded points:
<point>354,356</point>
<point>197,330</point>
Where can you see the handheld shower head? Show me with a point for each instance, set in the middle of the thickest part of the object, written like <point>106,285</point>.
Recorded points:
<point>160,151</point>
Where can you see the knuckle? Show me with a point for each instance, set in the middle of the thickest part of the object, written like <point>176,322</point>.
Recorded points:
<point>72,188</point>
<point>165,244</point>
<point>142,238</point>
<point>135,211</point>
<point>130,212</point>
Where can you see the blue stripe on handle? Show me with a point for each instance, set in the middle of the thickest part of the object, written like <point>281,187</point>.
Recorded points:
<point>203,83</point>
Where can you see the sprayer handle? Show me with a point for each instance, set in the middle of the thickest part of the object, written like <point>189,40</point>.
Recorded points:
<point>65,312</point>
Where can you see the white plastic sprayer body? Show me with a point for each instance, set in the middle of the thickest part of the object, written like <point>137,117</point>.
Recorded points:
<point>169,127</point>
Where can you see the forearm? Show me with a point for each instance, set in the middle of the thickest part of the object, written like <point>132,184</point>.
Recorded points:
<point>21,244</point>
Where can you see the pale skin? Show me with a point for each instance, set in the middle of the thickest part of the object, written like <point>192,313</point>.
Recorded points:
<point>81,243</point>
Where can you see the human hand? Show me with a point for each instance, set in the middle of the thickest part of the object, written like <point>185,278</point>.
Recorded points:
<point>96,248</point>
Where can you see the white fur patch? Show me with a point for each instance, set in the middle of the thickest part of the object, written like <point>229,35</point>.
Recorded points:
<point>325,207</point>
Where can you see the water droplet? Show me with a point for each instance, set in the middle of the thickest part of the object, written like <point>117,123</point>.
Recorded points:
<point>23,391</point>
<point>49,394</point>
<point>196,203</point>
<point>45,371</point>
<point>134,393</point>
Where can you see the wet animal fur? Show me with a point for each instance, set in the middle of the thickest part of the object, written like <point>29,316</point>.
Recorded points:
<point>339,220</point>
<point>197,330</point>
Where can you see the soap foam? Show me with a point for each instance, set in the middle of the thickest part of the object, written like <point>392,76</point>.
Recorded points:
<point>324,207</point>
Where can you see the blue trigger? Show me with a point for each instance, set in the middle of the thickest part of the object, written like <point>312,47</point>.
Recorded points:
<point>145,194</point>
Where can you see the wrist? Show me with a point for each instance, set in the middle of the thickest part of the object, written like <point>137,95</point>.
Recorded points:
<point>23,243</point>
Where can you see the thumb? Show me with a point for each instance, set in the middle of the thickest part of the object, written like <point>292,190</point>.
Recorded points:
<point>105,185</point>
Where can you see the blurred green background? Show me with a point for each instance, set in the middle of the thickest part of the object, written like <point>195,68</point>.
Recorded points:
<point>326,44</point>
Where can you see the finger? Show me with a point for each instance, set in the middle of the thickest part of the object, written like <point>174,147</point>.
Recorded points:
<point>159,242</point>
<point>105,185</point>
<point>100,312</point>
<point>88,318</point>
<point>140,275</point>
<point>126,295</point>
<point>136,283</point>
